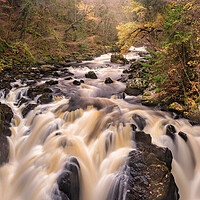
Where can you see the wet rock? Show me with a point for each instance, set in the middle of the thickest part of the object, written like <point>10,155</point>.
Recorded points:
<point>4,149</point>
<point>183,135</point>
<point>133,91</point>
<point>176,109</point>
<point>108,80</point>
<point>147,173</point>
<point>65,69</point>
<point>70,73</point>
<point>61,196</point>
<point>163,154</point>
<point>27,109</point>
<point>45,98</point>
<point>56,74</point>
<point>140,136</point>
<point>82,81</point>
<point>137,83</point>
<point>46,69</point>
<point>30,82</point>
<point>134,127</point>
<point>91,75</point>
<point>141,122</point>
<point>170,131</point>
<point>130,76</point>
<point>150,98</point>
<point>75,82</point>
<point>6,113</point>
<point>41,89</point>
<point>68,78</point>
<point>51,82</point>
<point>149,178</point>
<point>143,142</point>
<point>22,101</point>
<point>6,87</point>
<point>68,181</point>
<point>136,86</point>
<point>15,85</point>
<point>118,59</point>
<point>64,182</point>
<point>127,71</point>
<point>6,116</point>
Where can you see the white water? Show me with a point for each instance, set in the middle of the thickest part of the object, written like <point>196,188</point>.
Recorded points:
<point>50,135</point>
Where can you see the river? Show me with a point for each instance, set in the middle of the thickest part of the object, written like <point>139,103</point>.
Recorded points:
<point>75,128</point>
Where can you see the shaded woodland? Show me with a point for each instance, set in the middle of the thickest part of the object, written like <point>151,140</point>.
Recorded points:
<point>37,32</point>
<point>52,29</point>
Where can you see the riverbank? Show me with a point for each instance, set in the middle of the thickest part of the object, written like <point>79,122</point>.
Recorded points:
<point>85,107</point>
<point>140,80</point>
<point>136,79</point>
<point>44,110</point>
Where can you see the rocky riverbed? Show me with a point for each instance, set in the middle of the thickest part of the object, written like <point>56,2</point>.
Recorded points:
<point>146,172</point>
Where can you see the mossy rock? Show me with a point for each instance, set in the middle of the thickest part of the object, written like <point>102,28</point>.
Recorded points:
<point>193,113</point>
<point>176,106</point>
<point>137,83</point>
<point>47,68</point>
<point>118,59</point>
<point>41,89</point>
<point>136,66</point>
<point>150,98</point>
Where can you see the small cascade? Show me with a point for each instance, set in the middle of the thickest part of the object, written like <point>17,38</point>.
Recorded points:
<point>77,146</point>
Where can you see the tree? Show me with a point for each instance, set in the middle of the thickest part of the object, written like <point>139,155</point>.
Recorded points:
<point>172,31</point>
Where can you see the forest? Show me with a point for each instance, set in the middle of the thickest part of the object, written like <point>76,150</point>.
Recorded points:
<point>34,32</point>
<point>99,99</point>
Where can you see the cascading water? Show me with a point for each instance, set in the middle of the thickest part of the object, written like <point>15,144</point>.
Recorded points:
<point>86,137</point>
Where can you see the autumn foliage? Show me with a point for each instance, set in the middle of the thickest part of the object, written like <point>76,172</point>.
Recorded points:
<point>172,32</point>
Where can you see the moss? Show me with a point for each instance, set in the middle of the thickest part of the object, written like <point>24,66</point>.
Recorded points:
<point>117,58</point>
<point>176,106</point>
<point>197,100</point>
<point>137,83</point>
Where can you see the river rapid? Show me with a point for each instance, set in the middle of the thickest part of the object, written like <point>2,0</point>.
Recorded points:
<point>89,126</point>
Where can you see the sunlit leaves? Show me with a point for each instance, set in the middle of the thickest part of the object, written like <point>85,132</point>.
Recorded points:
<point>174,33</point>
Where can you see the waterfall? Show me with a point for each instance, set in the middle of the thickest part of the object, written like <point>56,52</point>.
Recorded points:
<point>86,136</point>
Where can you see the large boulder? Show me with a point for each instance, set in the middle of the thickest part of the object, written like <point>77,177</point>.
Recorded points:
<point>91,75</point>
<point>150,98</point>
<point>47,68</point>
<point>28,108</point>
<point>69,182</point>
<point>6,116</point>
<point>147,173</point>
<point>118,59</point>
<point>136,86</point>
<point>51,82</point>
<point>45,98</point>
<point>150,171</point>
<point>108,80</point>
<point>5,86</point>
<point>4,150</point>
<point>40,89</point>
<point>75,82</point>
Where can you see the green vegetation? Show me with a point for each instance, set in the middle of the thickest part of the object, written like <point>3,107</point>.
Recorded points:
<point>34,31</point>
<point>57,31</point>
<point>171,30</point>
